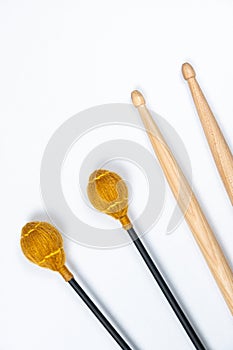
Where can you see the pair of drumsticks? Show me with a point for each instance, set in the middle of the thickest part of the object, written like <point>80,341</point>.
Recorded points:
<point>180,187</point>
<point>42,243</point>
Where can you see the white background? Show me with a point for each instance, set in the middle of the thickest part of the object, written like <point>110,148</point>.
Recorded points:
<point>58,58</point>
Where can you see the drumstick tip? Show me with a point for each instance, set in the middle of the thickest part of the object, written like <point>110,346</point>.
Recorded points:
<point>188,71</point>
<point>137,98</point>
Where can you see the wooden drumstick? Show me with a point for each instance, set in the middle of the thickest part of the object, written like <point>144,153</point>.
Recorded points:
<point>188,203</point>
<point>217,143</point>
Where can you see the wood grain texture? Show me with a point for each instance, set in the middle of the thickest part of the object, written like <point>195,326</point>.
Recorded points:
<point>217,143</point>
<point>189,205</point>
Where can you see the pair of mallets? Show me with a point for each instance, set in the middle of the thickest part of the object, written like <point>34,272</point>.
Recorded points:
<point>42,244</point>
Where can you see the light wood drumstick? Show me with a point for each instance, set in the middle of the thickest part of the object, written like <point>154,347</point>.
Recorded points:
<point>188,204</point>
<point>217,143</point>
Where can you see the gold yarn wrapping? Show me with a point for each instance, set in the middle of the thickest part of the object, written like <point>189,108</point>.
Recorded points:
<point>42,244</point>
<point>108,193</point>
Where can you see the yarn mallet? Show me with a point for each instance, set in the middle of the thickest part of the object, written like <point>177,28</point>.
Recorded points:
<point>42,244</point>
<point>108,193</point>
<point>188,203</point>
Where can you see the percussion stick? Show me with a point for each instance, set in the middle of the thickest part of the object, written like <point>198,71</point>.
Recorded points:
<point>108,193</point>
<point>220,150</point>
<point>188,203</point>
<point>42,244</point>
